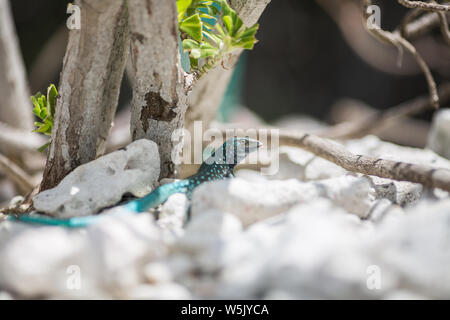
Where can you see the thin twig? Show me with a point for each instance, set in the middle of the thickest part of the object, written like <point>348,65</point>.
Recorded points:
<point>16,141</point>
<point>16,174</point>
<point>426,175</point>
<point>444,26</point>
<point>380,119</point>
<point>414,26</point>
<point>397,40</point>
<point>424,5</point>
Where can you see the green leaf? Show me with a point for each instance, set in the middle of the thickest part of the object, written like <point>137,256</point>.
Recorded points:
<point>52,94</point>
<point>189,44</point>
<point>228,22</point>
<point>194,63</point>
<point>193,27</point>
<point>182,6</point>
<point>37,107</point>
<point>196,53</point>
<point>43,147</point>
<point>207,50</point>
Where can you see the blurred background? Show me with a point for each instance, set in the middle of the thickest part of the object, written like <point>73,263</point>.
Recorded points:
<point>302,64</point>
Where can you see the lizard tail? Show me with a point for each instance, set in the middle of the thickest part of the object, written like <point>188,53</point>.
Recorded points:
<point>158,196</point>
<point>155,198</point>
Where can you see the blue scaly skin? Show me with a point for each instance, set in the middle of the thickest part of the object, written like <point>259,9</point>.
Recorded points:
<point>219,165</point>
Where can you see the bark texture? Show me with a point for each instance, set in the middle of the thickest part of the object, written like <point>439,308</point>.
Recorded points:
<point>89,87</point>
<point>15,105</point>
<point>159,96</point>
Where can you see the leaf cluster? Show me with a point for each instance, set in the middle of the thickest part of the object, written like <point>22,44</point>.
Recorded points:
<point>211,29</point>
<point>44,109</point>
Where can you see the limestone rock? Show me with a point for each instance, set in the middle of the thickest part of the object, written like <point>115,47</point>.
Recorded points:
<point>439,137</point>
<point>103,182</point>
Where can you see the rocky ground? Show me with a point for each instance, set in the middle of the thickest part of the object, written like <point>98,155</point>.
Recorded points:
<point>311,231</point>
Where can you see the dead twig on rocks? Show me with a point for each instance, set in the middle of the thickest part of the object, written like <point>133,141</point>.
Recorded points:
<point>426,175</point>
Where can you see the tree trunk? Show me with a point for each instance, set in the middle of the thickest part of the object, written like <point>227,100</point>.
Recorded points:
<point>89,87</point>
<point>15,105</point>
<point>159,96</point>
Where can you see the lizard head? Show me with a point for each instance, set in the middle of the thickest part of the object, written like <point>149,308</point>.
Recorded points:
<point>237,149</point>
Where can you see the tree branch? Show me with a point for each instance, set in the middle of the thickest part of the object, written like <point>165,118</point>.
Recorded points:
<point>15,106</point>
<point>424,5</point>
<point>18,140</point>
<point>426,175</point>
<point>16,174</point>
<point>381,119</point>
<point>397,40</point>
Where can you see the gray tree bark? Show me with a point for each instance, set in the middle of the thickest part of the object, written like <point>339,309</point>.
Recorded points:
<point>15,105</point>
<point>159,96</point>
<point>89,87</point>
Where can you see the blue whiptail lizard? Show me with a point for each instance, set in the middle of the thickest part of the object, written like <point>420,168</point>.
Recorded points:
<point>219,165</point>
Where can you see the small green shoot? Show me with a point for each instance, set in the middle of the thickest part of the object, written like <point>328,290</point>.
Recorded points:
<point>211,30</point>
<point>44,109</point>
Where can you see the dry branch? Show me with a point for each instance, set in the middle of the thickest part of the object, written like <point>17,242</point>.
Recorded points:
<point>401,171</point>
<point>424,5</point>
<point>444,27</point>
<point>348,113</point>
<point>330,150</point>
<point>17,141</point>
<point>388,117</point>
<point>397,40</point>
<point>16,174</point>
<point>15,106</point>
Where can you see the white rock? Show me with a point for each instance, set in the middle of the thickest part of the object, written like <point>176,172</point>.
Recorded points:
<point>354,194</point>
<point>250,201</point>
<point>439,136</point>
<point>205,237</point>
<point>101,261</point>
<point>399,192</point>
<point>303,165</point>
<point>372,146</point>
<point>103,182</point>
<point>255,200</point>
<point>5,296</point>
<point>172,217</point>
<point>165,291</point>
<point>312,252</point>
<point>416,249</point>
<point>157,272</point>
<point>34,261</point>
<point>124,245</point>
